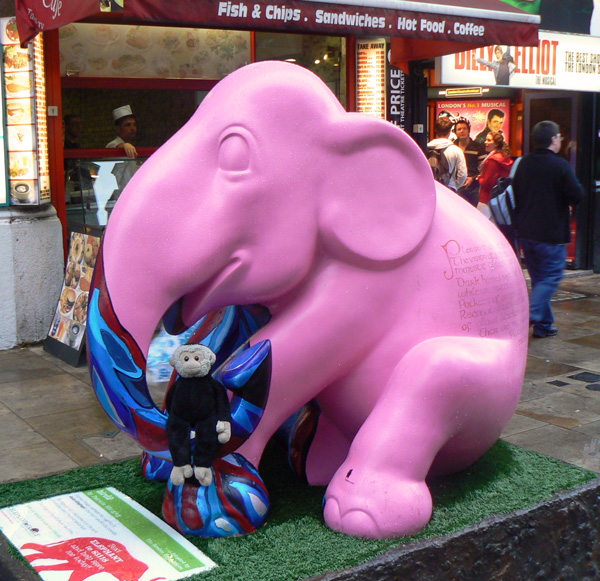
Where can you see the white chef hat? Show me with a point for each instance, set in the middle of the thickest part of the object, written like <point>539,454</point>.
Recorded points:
<point>121,112</point>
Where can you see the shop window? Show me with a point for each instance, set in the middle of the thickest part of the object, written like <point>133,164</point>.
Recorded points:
<point>159,113</point>
<point>92,187</point>
<point>150,52</point>
<point>105,66</point>
<point>323,55</point>
<point>561,110</point>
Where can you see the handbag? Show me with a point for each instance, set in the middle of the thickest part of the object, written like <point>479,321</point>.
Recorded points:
<point>502,200</point>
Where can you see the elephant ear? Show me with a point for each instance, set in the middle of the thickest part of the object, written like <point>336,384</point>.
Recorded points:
<point>378,201</point>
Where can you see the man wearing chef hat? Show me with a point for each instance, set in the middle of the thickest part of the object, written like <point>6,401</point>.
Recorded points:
<point>124,170</point>
<point>126,131</point>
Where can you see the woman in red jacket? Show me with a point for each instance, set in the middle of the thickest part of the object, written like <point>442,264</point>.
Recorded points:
<point>496,165</point>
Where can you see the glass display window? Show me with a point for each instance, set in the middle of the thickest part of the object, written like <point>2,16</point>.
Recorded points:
<point>93,186</point>
<point>323,55</point>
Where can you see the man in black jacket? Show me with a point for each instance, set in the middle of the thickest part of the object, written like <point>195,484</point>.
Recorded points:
<point>545,187</point>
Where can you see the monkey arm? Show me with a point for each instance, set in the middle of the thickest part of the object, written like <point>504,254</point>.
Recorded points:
<point>223,406</point>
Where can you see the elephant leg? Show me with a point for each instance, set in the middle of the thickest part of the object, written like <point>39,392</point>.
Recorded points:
<point>446,402</point>
<point>327,451</point>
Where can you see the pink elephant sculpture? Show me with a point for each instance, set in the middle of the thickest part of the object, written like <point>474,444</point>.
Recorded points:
<point>396,308</point>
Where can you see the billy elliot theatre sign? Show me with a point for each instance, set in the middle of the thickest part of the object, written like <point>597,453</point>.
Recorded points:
<point>559,61</point>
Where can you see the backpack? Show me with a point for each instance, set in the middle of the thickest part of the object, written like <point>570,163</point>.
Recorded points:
<point>502,207</point>
<point>438,162</point>
<point>502,202</point>
<point>502,199</point>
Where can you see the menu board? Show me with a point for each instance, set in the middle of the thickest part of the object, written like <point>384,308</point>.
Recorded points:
<point>25,111</point>
<point>41,123</point>
<point>4,182</point>
<point>370,77</point>
<point>65,337</point>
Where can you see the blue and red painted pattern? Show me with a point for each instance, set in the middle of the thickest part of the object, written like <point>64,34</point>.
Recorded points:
<point>236,503</point>
<point>118,371</point>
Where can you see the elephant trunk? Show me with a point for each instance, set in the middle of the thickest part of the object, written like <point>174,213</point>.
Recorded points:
<point>118,366</point>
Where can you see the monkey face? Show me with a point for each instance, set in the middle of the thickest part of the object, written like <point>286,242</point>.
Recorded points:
<point>193,360</point>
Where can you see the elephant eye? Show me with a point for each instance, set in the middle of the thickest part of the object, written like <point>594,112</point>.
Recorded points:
<point>234,153</point>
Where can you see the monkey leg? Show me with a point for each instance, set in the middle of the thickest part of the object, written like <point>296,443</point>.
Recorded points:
<point>178,434</point>
<point>206,446</point>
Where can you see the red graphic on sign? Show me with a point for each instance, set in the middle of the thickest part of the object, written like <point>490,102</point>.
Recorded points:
<point>88,556</point>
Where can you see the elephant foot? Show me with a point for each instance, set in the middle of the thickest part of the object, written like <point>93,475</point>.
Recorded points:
<point>363,503</point>
<point>236,502</point>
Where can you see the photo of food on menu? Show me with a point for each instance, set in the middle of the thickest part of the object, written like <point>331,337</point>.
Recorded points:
<point>68,324</point>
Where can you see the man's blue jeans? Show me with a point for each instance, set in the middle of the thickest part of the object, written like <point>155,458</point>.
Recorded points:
<point>545,264</point>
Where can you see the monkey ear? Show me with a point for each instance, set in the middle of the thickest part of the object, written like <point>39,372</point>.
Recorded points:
<point>208,353</point>
<point>174,359</point>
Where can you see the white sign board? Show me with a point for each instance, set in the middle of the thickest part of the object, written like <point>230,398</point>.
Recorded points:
<point>99,534</point>
<point>370,77</point>
<point>560,61</point>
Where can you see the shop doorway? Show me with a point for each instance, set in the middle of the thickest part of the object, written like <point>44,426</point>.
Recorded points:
<point>560,107</point>
<point>557,106</point>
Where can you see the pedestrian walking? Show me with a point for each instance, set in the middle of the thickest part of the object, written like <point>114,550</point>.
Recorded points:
<point>545,188</point>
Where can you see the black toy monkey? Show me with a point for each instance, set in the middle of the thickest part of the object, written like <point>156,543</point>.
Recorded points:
<point>196,402</point>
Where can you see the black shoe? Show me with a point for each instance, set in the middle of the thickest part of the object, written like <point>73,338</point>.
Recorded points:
<point>541,333</point>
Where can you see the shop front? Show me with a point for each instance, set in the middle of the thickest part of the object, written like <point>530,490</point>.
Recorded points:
<point>162,58</point>
<point>557,80</point>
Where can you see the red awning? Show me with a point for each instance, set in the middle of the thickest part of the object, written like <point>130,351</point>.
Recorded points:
<point>418,29</point>
<point>503,23</point>
<point>35,16</point>
<point>474,22</point>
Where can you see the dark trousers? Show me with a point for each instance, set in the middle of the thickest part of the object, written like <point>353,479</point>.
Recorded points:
<point>545,264</point>
<point>206,446</point>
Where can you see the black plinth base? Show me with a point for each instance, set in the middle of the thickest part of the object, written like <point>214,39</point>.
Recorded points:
<point>557,539</point>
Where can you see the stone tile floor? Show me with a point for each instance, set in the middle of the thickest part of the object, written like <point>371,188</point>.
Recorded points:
<point>559,411</point>
<point>50,420</point>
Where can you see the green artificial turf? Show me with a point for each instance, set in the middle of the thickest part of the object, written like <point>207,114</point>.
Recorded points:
<point>295,543</point>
